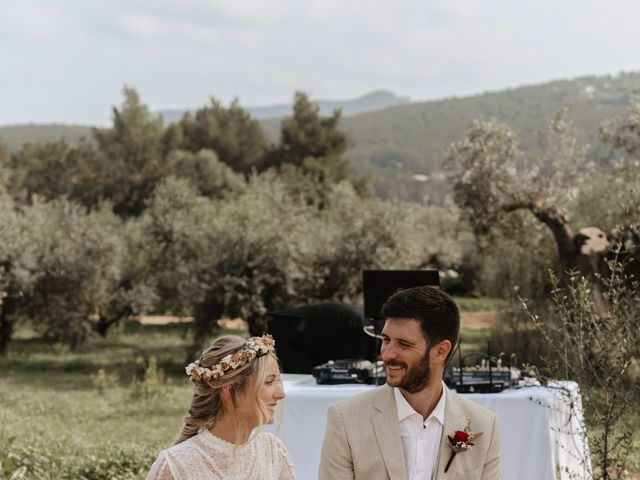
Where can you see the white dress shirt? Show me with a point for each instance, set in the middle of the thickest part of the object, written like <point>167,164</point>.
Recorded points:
<point>420,439</point>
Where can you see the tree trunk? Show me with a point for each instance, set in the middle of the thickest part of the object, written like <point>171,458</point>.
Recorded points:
<point>7,308</point>
<point>205,324</point>
<point>257,326</point>
<point>103,325</point>
<point>596,287</point>
<point>569,255</point>
<point>558,223</point>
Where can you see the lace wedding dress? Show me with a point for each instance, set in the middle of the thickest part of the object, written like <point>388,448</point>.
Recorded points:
<point>207,457</point>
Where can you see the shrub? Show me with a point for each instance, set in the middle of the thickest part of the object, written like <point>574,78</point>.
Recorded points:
<point>58,461</point>
<point>152,382</point>
<point>596,351</point>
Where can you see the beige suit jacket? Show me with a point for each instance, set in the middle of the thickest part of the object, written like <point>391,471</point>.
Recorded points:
<point>362,440</point>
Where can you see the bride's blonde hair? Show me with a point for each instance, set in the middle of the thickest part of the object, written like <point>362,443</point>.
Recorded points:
<point>206,403</point>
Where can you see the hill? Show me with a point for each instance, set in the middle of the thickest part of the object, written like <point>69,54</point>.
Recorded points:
<point>15,135</point>
<point>413,138</point>
<point>402,146</point>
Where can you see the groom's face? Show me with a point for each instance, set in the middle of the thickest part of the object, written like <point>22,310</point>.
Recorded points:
<point>405,352</point>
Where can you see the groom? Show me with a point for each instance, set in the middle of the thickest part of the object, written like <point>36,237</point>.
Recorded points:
<point>401,430</point>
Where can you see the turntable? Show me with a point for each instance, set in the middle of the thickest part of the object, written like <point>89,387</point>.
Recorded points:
<point>349,371</point>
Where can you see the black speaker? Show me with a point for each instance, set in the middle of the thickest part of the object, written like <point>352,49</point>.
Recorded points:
<point>311,335</point>
<point>379,285</point>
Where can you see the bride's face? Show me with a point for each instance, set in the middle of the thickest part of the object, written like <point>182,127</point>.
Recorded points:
<point>269,394</point>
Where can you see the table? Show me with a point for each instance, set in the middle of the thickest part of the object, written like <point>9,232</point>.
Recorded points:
<point>542,428</point>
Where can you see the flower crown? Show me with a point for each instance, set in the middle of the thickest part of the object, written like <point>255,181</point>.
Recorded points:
<point>253,348</point>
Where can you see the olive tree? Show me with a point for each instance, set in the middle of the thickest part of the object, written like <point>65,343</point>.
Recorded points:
<point>16,274</point>
<point>214,257</point>
<point>495,182</point>
<point>352,233</point>
<point>79,268</point>
<point>204,170</point>
<point>268,247</point>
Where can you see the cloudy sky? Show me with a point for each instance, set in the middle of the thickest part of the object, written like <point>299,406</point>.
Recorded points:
<point>67,60</point>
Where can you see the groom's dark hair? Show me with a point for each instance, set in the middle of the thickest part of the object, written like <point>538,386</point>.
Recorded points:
<point>434,309</point>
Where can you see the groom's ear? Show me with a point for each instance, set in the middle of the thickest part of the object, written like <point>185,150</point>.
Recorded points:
<point>440,351</point>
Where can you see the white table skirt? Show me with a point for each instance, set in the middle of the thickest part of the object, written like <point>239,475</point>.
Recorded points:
<point>542,428</point>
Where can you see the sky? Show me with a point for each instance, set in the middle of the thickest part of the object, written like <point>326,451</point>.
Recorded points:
<point>67,61</point>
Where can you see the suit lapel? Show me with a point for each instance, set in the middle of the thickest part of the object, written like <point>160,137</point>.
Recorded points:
<point>453,420</point>
<point>387,429</point>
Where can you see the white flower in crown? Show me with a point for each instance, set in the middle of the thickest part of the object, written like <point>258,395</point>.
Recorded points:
<point>217,371</point>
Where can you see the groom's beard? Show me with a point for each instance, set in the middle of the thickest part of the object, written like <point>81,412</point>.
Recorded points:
<point>416,378</point>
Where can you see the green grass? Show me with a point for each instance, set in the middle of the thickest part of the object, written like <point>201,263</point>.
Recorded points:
<point>470,304</point>
<point>59,402</point>
<point>474,340</point>
<point>63,418</point>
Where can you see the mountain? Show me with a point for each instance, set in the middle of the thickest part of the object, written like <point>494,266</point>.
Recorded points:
<point>376,100</point>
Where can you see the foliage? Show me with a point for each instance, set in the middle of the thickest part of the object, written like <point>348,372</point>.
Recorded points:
<point>103,381</point>
<point>513,204</point>
<point>41,169</point>
<point>40,385</point>
<point>122,163</point>
<point>495,186</point>
<point>16,272</point>
<point>602,203</point>
<point>126,162</point>
<point>397,142</point>
<point>481,304</point>
<point>314,143</point>
<point>447,237</point>
<point>75,270</point>
<point>210,176</point>
<point>597,351</point>
<point>307,134</point>
<point>234,258</point>
<point>5,160</point>
<point>204,241</point>
<point>268,247</point>
<point>111,434</point>
<point>152,383</point>
<point>59,462</point>
<point>394,143</point>
<point>354,233</point>
<point>235,137</point>
<point>131,160</point>
<point>623,131</point>
<point>494,179</point>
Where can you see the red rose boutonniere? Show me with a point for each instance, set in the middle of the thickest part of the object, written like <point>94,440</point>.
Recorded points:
<point>461,441</point>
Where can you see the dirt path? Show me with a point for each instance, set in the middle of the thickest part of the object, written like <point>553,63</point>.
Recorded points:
<point>162,320</point>
<point>231,323</point>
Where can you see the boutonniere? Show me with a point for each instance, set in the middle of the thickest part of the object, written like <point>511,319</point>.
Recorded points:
<point>461,441</point>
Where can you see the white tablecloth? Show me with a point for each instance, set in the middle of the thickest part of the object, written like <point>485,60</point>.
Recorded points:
<point>542,428</point>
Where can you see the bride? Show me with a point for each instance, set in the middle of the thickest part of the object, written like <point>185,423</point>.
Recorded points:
<point>237,386</point>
